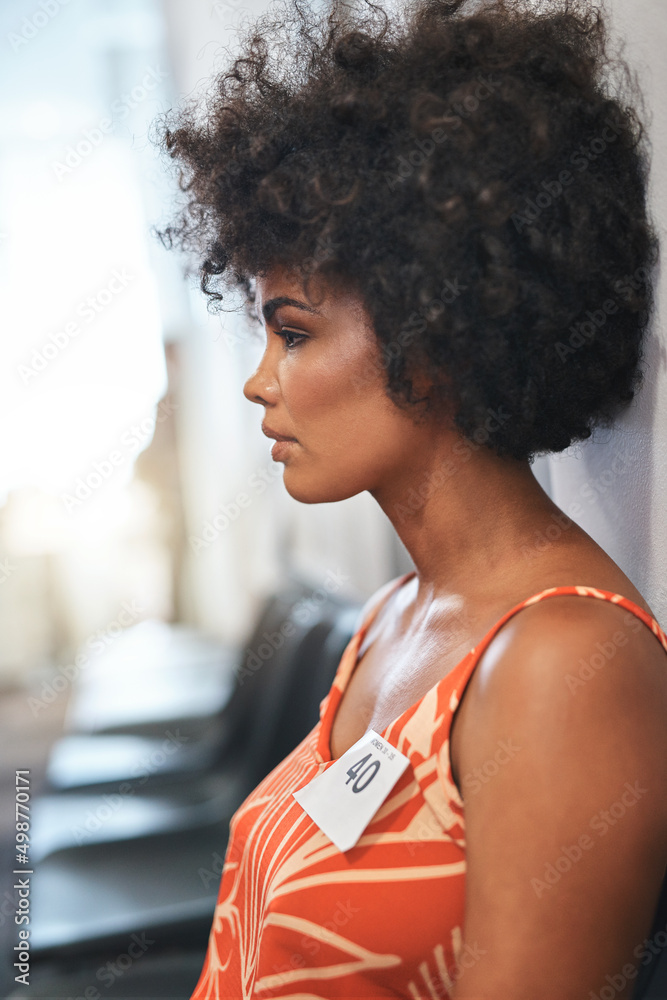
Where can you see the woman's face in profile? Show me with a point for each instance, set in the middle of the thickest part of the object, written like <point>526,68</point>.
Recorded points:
<point>322,384</point>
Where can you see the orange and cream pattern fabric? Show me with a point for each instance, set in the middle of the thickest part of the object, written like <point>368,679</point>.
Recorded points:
<point>298,919</point>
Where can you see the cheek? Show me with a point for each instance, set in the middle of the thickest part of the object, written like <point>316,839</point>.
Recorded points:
<point>335,393</point>
<point>352,433</point>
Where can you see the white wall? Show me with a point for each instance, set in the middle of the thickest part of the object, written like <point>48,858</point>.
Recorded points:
<point>614,485</point>
<point>619,479</point>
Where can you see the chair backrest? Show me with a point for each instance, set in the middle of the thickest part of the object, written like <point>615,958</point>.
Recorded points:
<point>293,681</point>
<point>252,679</point>
<point>315,664</point>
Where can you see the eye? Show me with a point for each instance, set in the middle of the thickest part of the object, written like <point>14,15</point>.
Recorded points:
<point>291,337</point>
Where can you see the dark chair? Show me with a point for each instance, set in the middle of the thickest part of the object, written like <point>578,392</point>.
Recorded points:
<point>91,895</point>
<point>133,975</point>
<point>111,751</point>
<point>115,787</point>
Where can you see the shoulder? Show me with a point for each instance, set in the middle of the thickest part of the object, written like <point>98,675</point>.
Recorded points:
<point>565,640</point>
<point>571,678</point>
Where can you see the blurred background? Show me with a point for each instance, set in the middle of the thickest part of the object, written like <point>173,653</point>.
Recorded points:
<point>127,446</point>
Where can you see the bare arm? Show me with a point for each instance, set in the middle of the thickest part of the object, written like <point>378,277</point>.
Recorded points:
<point>567,842</point>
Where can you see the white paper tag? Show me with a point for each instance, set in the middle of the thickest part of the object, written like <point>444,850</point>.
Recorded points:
<point>344,798</point>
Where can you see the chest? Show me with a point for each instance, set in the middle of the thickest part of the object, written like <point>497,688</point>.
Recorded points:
<point>382,919</point>
<point>393,673</point>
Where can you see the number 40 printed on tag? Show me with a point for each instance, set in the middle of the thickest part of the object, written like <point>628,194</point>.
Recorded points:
<point>344,798</point>
<point>362,776</point>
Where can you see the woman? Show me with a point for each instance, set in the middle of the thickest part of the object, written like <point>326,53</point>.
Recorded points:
<point>440,217</point>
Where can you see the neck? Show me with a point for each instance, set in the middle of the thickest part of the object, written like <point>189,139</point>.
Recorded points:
<point>468,518</point>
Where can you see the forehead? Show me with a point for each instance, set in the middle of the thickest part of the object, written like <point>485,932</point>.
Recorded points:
<point>314,294</point>
<point>283,283</point>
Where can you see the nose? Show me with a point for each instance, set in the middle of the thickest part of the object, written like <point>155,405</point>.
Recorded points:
<point>262,386</point>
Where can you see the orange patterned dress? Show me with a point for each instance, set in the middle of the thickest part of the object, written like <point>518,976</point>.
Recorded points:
<point>298,919</point>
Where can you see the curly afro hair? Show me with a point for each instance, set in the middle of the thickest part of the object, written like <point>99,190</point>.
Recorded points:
<point>478,177</point>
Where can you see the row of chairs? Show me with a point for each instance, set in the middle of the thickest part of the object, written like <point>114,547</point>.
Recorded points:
<point>168,733</point>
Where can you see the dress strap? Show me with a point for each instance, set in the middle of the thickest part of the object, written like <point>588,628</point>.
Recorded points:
<point>457,680</point>
<point>466,667</point>
<point>581,591</point>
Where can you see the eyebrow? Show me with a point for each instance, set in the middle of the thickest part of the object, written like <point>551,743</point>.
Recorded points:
<point>268,308</point>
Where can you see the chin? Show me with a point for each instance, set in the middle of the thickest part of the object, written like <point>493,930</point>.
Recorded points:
<point>314,489</point>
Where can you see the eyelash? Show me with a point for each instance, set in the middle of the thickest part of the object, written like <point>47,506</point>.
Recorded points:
<point>285,333</point>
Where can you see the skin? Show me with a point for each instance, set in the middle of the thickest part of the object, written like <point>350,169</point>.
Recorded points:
<point>473,542</point>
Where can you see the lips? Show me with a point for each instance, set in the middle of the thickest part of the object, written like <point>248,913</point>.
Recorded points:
<point>275,435</point>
